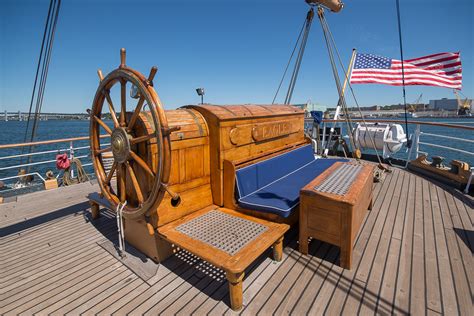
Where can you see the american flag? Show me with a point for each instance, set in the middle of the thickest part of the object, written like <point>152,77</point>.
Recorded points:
<point>443,69</point>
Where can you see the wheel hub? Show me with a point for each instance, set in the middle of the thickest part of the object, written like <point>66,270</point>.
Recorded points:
<point>120,145</point>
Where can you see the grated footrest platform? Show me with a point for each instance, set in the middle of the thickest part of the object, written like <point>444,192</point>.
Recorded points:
<point>340,181</point>
<point>222,231</point>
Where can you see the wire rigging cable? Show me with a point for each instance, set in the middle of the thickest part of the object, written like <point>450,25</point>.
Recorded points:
<point>42,71</point>
<point>299,58</point>
<point>289,62</point>
<point>342,100</point>
<point>327,30</point>
<point>304,39</point>
<point>403,70</point>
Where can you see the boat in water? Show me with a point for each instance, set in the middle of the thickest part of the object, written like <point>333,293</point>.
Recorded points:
<point>250,208</point>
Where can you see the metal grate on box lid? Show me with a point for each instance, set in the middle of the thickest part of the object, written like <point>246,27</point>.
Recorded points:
<point>340,181</point>
<point>222,231</point>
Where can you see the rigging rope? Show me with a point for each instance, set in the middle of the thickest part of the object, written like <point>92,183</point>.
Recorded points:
<point>346,76</point>
<point>289,62</point>
<point>304,39</point>
<point>39,101</point>
<point>43,64</point>
<point>81,173</point>
<point>341,102</point>
<point>37,72</point>
<point>299,58</point>
<point>403,70</point>
<point>378,173</point>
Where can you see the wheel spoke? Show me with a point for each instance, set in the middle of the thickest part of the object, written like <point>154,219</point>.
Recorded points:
<point>123,194</point>
<point>102,123</point>
<point>111,173</point>
<point>111,108</point>
<point>137,111</point>
<point>103,150</point>
<point>123,97</point>
<point>142,163</point>
<point>140,139</point>
<point>136,186</point>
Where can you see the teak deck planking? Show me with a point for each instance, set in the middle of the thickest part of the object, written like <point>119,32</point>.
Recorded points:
<point>413,254</point>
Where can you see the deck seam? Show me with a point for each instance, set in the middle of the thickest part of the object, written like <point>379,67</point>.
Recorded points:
<point>382,195</point>
<point>377,247</point>
<point>382,278</point>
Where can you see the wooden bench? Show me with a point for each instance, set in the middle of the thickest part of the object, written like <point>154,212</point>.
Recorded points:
<point>268,187</point>
<point>227,239</point>
<point>334,205</point>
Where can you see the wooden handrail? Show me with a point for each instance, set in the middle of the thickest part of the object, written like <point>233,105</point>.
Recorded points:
<point>46,142</point>
<point>469,128</point>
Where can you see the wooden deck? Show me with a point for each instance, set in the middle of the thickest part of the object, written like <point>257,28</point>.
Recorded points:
<point>413,256</point>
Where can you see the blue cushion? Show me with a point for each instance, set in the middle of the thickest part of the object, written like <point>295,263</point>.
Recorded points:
<point>253,177</point>
<point>282,195</point>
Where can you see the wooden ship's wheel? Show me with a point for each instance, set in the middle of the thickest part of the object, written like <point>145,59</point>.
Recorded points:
<point>139,140</point>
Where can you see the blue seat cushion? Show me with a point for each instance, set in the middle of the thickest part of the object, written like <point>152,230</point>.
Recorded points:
<point>256,176</point>
<point>283,195</point>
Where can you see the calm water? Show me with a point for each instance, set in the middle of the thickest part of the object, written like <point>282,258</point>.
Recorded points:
<point>13,132</point>
<point>432,151</point>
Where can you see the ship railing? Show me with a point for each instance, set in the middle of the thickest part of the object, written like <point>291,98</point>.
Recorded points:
<point>418,133</point>
<point>72,151</point>
<point>416,137</point>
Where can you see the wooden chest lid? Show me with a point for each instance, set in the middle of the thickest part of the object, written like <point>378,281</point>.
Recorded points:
<point>355,186</point>
<point>245,111</point>
<point>190,122</point>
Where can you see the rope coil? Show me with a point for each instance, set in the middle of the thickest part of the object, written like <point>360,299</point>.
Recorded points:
<point>81,173</point>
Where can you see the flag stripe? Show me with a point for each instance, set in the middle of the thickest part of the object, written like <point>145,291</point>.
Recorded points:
<point>409,82</point>
<point>406,80</point>
<point>389,77</point>
<point>411,77</point>
<point>430,57</point>
<point>421,62</point>
<point>426,63</point>
<point>445,64</point>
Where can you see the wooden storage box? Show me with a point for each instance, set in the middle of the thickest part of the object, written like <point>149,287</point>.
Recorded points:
<point>334,205</point>
<point>50,184</point>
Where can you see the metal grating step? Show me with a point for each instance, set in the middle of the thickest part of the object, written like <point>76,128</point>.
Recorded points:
<point>340,181</point>
<point>222,231</point>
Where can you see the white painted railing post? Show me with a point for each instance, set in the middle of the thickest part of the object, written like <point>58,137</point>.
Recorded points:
<point>468,185</point>
<point>323,142</point>
<point>417,140</point>
<point>71,156</point>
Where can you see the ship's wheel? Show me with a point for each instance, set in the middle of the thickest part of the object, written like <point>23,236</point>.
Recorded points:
<point>138,140</point>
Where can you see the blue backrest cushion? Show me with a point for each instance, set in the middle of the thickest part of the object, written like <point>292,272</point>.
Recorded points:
<point>253,177</point>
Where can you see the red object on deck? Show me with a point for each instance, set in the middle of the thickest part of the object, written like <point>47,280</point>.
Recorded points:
<point>62,161</point>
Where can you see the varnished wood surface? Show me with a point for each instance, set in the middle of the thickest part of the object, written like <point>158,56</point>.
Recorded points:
<point>335,218</point>
<point>412,255</point>
<point>241,131</point>
<point>234,263</point>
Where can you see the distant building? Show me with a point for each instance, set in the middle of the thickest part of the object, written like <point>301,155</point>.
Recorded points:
<point>309,106</point>
<point>445,104</point>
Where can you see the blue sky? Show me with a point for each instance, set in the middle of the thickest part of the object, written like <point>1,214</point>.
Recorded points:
<point>236,49</point>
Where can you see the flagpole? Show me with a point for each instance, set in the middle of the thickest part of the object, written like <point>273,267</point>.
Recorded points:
<point>349,71</point>
<point>356,151</point>
<point>403,70</point>
<point>339,105</point>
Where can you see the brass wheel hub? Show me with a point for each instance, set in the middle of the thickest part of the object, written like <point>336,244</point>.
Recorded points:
<point>120,145</point>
